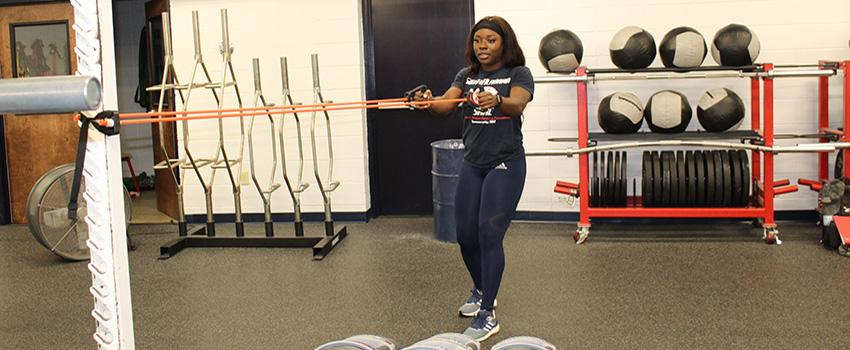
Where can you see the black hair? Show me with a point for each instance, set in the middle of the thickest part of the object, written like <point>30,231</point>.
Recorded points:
<point>512,55</point>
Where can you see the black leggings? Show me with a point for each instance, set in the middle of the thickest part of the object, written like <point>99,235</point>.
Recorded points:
<point>485,204</point>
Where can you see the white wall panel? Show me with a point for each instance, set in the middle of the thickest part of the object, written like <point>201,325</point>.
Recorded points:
<point>268,30</point>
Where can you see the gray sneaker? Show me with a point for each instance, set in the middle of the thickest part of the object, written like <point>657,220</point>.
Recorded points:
<point>483,326</point>
<point>473,304</point>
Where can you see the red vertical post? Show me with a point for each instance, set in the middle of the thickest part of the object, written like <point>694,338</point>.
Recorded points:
<point>768,141</point>
<point>846,65</point>
<point>755,108</point>
<point>584,182</point>
<point>823,122</point>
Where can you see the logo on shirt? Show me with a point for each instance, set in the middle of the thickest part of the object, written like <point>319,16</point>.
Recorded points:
<point>488,81</point>
<point>480,115</point>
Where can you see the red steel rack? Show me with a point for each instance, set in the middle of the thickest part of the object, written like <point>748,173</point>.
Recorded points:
<point>765,188</point>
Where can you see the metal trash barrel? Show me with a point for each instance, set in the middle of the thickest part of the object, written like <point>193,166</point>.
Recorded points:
<point>447,158</point>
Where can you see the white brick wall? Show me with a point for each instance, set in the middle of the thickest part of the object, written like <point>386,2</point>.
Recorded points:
<point>268,30</point>
<point>790,33</point>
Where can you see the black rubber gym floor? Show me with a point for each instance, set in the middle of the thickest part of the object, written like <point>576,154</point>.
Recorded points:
<point>632,286</point>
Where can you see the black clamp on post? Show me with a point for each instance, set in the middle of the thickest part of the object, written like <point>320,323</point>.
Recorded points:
<point>108,123</point>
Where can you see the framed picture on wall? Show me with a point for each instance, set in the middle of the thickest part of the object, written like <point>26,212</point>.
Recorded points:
<point>40,49</point>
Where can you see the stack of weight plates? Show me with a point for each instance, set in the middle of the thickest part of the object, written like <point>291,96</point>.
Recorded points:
<point>695,179</point>
<point>608,183</point>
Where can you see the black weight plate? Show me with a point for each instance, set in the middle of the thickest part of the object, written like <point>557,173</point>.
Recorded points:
<point>674,180</point>
<point>609,176</point>
<point>600,164</point>
<point>618,181</point>
<point>667,177</point>
<point>624,190</point>
<point>646,180</point>
<point>683,178</point>
<point>735,164</point>
<point>672,189</point>
<point>718,178</point>
<point>745,173</point>
<point>737,187</point>
<point>600,198</point>
<point>691,198</point>
<point>595,197</point>
<point>727,178</point>
<point>594,181</point>
<point>606,183</point>
<point>699,161</point>
<point>657,176</point>
<point>710,180</point>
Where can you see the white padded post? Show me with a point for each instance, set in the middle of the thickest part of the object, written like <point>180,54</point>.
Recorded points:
<point>107,242</point>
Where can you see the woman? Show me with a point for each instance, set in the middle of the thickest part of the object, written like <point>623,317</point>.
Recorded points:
<point>497,86</point>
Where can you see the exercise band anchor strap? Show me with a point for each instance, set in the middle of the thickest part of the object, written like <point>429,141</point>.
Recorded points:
<point>111,127</point>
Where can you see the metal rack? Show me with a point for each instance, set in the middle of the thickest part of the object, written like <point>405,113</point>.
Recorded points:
<point>759,140</point>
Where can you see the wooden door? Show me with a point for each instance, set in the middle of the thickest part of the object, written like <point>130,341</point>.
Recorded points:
<point>35,144</point>
<point>166,189</point>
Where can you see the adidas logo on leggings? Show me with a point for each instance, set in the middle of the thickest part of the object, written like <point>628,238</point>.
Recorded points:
<point>502,166</point>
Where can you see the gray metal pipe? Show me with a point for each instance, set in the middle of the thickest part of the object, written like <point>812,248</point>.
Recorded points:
<point>775,73</point>
<point>225,35</point>
<point>801,148</point>
<point>196,33</point>
<point>166,34</point>
<point>284,73</point>
<point>43,95</point>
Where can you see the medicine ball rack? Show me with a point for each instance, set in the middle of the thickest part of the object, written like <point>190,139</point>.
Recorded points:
<point>758,140</point>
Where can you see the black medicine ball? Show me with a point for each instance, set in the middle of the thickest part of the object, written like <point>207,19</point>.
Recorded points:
<point>620,113</point>
<point>735,45</point>
<point>560,51</point>
<point>668,111</point>
<point>720,110</point>
<point>682,47</point>
<point>632,48</point>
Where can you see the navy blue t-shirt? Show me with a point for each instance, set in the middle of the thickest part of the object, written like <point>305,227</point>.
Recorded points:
<point>490,136</point>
